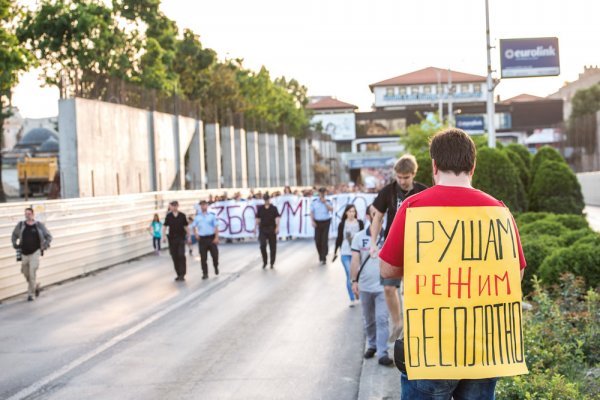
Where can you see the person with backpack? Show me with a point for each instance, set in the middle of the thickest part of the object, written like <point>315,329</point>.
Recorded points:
<point>349,226</point>
<point>366,285</point>
<point>30,238</point>
<point>388,200</point>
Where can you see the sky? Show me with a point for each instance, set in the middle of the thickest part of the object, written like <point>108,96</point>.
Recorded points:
<point>339,47</point>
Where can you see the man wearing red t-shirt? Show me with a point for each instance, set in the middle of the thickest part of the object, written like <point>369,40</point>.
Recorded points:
<point>453,155</point>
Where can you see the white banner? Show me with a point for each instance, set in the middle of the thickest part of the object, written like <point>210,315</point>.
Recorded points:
<point>237,218</point>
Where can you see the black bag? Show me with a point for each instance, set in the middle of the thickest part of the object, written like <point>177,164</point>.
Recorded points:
<point>399,357</point>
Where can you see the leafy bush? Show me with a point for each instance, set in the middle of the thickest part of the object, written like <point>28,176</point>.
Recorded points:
<point>591,238</point>
<point>555,189</point>
<point>581,259</point>
<point>520,165</point>
<point>544,226</point>
<point>573,237</point>
<point>523,152</point>
<point>525,218</point>
<point>545,153</point>
<point>481,141</point>
<point>536,248</point>
<point>571,221</point>
<point>562,338</point>
<point>496,175</point>
<point>541,386</point>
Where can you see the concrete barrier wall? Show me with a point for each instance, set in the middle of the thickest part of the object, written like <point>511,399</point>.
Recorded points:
<point>590,186</point>
<point>89,233</point>
<point>164,137</point>
<point>188,128</point>
<point>100,140</point>
<point>103,140</point>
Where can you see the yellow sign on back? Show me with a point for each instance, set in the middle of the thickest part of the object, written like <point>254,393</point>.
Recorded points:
<point>462,294</point>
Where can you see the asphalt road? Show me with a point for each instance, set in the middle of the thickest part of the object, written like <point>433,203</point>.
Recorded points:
<point>131,332</point>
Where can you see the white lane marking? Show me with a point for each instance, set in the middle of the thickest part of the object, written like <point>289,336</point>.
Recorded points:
<point>33,388</point>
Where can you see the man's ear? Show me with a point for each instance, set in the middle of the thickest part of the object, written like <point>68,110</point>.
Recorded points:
<point>434,167</point>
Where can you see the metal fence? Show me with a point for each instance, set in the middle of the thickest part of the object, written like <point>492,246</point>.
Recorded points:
<point>89,233</point>
<point>116,90</point>
<point>581,147</point>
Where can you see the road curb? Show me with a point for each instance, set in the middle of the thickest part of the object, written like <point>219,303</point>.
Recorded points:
<point>378,382</point>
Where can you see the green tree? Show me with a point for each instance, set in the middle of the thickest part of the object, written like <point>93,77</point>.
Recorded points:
<point>14,58</point>
<point>277,104</point>
<point>585,101</point>
<point>416,142</point>
<point>222,96</point>
<point>191,58</point>
<point>78,41</point>
<point>165,32</point>
<point>294,97</point>
<point>134,9</point>
<point>154,74</point>
<point>418,135</point>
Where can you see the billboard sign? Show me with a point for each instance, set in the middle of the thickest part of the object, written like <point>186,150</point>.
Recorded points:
<point>529,57</point>
<point>371,162</point>
<point>470,123</point>
<point>340,126</point>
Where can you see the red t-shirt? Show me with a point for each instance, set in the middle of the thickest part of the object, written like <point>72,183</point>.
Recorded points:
<point>437,196</point>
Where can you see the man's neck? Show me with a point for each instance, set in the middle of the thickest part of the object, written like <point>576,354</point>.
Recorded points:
<point>451,179</point>
<point>412,186</point>
<point>30,221</point>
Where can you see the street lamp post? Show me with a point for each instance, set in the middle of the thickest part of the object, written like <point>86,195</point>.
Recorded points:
<point>491,128</point>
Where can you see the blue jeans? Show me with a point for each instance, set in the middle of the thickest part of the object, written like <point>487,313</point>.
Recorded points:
<point>346,261</point>
<point>445,389</point>
<point>375,316</point>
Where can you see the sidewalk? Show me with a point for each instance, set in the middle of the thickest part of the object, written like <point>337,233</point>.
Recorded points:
<point>378,382</point>
<point>593,217</point>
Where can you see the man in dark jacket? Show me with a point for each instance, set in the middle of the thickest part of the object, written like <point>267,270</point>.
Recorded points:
<point>30,238</point>
<point>267,220</point>
<point>178,232</point>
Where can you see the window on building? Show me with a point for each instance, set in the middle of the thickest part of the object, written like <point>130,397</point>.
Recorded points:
<point>389,92</point>
<point>477,88</point>
<point>427,89</point>
<point>464,88</point>
<point>402,91</point>
<point>414,90</point>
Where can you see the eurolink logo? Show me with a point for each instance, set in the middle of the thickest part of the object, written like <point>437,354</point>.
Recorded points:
<point>539,51</point>
<point>470,124</point>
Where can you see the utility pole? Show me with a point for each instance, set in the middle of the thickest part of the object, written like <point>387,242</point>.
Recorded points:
<point>450,95</point>
<point>491,127</point>
<point>439,95</point>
